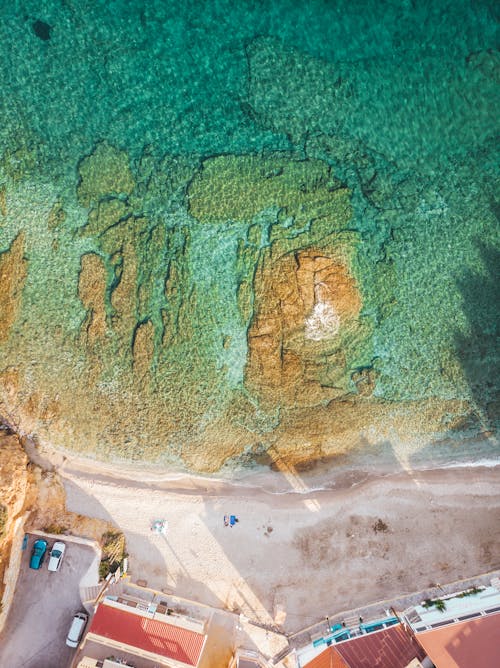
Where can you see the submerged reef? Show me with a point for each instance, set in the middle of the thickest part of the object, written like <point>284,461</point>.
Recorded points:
<point>304,266</point>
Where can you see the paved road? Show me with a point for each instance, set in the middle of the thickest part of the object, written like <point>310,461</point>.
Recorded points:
<point>41,613</point>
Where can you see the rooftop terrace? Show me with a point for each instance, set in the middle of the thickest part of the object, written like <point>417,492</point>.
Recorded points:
<point>462,606</point>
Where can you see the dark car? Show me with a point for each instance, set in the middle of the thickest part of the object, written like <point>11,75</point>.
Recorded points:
<point>38,554</point>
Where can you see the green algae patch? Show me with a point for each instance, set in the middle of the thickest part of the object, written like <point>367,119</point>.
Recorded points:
<point>3,201</point>
<point>237,188</point>
<point>57,216</point>
<point>21,160</point>
<point>104,215</point>
<point>105,171</point>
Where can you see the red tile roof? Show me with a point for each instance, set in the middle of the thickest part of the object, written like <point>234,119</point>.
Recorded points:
<point>147,634</point>
<point>389,648</point>
<point>473,643</point>
<point>330,658</point>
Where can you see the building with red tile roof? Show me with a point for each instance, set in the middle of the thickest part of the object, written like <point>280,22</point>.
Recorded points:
<point>146,634</point>
<point>392,647</point>
<point>460,629</point>
<point>469,643</point>
<point>330,658</point>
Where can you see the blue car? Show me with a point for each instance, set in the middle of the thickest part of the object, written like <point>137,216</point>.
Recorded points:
<point>38,554</point>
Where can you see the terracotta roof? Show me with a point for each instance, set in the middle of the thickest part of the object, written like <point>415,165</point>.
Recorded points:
<point>330,658</point>
<point>150,635</point>
<point>472,643</point>
<point>389,648</point>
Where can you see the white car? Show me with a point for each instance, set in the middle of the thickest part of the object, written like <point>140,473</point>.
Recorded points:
<point>56,556</point>
<point>76,629</point>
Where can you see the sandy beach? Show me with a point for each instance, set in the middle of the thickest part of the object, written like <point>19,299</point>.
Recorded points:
<point>297,553</point>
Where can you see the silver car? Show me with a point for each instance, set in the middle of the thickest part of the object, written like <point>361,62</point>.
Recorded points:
<point>56,556</point>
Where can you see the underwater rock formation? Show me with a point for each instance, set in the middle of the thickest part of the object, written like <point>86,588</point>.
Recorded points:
<point>91,290</point>
<point>13,270</point>
<point>260,248</point>
<point>262,303</point>
<point>42,30</point>
<point>106,171</point>
<point>303,330</point>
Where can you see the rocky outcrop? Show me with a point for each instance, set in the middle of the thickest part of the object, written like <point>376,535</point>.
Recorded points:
<point>16,494</point>
<point>92,290</point>
<point>226,310</point>
<point>13,270</point>
<point>32,498</point>
<point>143,348</point>
<point>303,329</point>
<point>237,188</point>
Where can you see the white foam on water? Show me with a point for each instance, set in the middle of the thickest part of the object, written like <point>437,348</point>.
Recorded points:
<point>485,463</point>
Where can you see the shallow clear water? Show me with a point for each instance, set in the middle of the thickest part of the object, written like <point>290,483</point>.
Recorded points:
<point>400,99</point>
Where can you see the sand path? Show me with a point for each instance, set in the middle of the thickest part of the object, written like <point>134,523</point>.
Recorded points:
<point>296,556</point>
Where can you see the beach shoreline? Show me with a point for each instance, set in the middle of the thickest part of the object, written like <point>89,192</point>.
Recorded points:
<point>316,548</point>
<point>377,460</point>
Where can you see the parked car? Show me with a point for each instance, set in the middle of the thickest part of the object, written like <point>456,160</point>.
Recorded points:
<point>56,555</point>
<point>38,553</point>
<point>76,629</point>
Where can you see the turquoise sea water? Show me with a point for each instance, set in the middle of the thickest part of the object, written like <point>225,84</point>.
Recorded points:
<point>399,98</point>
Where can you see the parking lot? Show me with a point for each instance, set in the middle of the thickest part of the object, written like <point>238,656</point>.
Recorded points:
<point>43,607</point>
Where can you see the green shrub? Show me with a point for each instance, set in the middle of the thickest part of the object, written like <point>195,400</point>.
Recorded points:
<point>104,570</point>
<point>469,592</point>
<point>55,529</point>
<point>4,514</point>
<point>438,603</point>
<point>113,552</point>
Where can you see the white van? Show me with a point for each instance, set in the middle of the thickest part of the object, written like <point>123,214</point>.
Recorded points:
<point>76,629</point>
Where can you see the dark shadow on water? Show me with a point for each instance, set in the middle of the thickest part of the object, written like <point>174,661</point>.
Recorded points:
<point>473,437</point>
<point>478,348</point>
